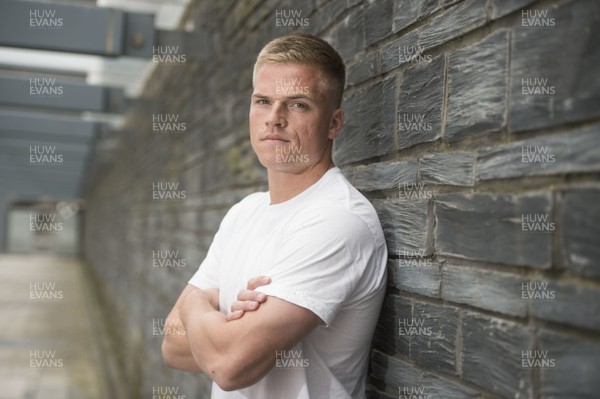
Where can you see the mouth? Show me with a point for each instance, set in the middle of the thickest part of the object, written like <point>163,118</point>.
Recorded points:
<point>274,137</point>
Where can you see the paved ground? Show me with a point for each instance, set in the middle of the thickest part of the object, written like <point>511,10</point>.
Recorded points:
<point>49,335</point>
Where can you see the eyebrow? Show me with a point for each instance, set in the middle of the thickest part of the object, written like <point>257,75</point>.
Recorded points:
<point>299,96</point>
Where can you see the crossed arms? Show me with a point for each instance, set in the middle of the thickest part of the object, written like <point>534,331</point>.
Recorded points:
<point>239,349</point>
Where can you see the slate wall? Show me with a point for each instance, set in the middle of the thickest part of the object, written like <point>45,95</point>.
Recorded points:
<point>474,128</point>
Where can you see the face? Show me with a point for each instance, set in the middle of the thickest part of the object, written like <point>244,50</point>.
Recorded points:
<point>293,118</point>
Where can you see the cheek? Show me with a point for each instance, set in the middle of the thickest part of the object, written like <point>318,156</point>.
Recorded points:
<point>312,139</point>
<point>316,130</point>
<point>252,115</point>
<point>254,120</point>
<point>255,111</point>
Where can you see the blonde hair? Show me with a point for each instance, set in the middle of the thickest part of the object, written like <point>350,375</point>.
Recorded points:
<point>303,48</point>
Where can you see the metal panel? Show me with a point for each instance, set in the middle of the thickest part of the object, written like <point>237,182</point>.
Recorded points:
<point>46,127</point>
<point>92,30</point>
<point>45,187</point>
<point>61,27</point>
<point>47,92</point>
<point>196,45</point>
<point>19,150</point>
<point>139,35</point>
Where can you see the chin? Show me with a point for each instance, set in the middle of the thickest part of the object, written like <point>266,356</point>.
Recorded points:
<point>270,164</point>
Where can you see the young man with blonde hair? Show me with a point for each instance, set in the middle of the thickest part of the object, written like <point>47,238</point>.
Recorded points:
<point>285,304</point>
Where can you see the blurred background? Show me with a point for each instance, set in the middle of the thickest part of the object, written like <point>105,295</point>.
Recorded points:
<point>473,126</point>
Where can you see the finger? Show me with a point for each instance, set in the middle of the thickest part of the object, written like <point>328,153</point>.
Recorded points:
<point>234,315</point>
<point>255,282</point>
<point>244,305</point>
<point>255,296</point>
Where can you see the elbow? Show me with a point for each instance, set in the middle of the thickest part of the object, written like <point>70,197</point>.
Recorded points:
<point>229,383</point>
<point>225,377</point>
<point>167,355</point>
<point>172,358</point>
<point>231,375</point>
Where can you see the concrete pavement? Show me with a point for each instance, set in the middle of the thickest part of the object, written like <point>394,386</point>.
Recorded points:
<point>50,339</point>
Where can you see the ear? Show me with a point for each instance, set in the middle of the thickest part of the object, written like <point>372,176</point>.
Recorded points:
<point>336,124</point>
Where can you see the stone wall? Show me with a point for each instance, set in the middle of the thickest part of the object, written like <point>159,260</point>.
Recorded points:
<point>473,126</point>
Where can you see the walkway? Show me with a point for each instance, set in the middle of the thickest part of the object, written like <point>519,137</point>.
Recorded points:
<point>50,345</point>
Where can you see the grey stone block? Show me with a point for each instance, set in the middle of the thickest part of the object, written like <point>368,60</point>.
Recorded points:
<point>238,15</point>
<point>575,370</point>
<point>447,3</point>
<point>581,230</point>
<point>392,371</point>
<point>385,175</point>
<point>364,68</point>
<point>349,34</point>
<point>420,103</point>
<point>452,168</point>
<point>373,393</point>
<point>419,276</point>
<point>405,224</point>
<point>330,12</point>
<point>439,388</point>
<point>409,12</point>
<point>498,292</point>
<point>491,356</point>
<point>369,124</point>
<point>394,54</point>
<point>553,70</point>
<point>476,100</point>
<point>378,21</point>
<point>387,337</point>
<point>490,228</point>
<point>432,333</point>
<point>453,23</point>
<point>348,172</point>
<point>571,152</point>
<point>501,8</point>
<point>574,304</point>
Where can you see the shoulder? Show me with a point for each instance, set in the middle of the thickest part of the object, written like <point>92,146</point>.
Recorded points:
<point>340,205</point>
<point>330,224</point>
<point>243,207</point>
<point>252,200</point>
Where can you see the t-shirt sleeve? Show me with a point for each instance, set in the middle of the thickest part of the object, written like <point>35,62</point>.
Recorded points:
<point>207,275</point>
<point>319,260</point>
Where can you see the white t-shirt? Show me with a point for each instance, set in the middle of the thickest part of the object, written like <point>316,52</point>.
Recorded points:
<point>324,250</point>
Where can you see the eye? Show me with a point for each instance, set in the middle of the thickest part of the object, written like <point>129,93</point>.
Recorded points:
<point>300,105</point>
<point>262,101</point>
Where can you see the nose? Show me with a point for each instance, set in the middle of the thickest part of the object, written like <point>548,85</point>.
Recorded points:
<point>276,117</point>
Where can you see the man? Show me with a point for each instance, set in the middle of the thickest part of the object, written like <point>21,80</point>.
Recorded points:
<point>286,301</point>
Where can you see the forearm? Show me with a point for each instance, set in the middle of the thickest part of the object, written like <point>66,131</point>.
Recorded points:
<point>235,353</point>
<point>175,347</point>
<point>220,348</point>
<point>204,348</point>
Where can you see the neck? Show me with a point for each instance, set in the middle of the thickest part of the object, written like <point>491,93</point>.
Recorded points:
<point>285,186</point>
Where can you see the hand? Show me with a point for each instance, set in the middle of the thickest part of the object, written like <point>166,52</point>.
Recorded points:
<point>248,299</point>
